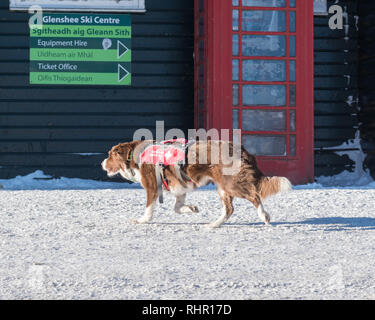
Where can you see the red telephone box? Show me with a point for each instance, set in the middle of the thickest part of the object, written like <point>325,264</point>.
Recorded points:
<point>254,72</point>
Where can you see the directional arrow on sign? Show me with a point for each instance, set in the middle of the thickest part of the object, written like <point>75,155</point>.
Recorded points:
<point>122,73</point>
<point>121,49</point>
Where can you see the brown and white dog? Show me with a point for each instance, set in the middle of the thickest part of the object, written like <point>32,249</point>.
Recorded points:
<point>249,183</point>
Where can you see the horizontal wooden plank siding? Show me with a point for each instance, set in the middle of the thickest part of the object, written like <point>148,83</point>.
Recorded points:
<point>367,81</point>
<point>67,130</point>
<point>336,89</point>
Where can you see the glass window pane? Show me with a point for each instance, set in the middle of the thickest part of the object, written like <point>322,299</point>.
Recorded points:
<point>235,45</point>
<point>263,3</point>
<point>292,21</point>
<point>263,70</point>
<point>292,46</point>
<point>292,74</point>
<point>292,120</point>
<point>263,20</point>
<point>264,95</point>
<point>235,119</point>
<point>292,3</point>
<point>262,145</point>
<point>235,70</point>
<point>235,2</point>
<point>292,95</point>
<point>235,20</point>
<point>235,94</point>
<point>263,120</point>
<point>268,46</point>
<point>292,145</point>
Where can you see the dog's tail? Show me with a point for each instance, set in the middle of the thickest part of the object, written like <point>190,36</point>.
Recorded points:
<point>269,186</point>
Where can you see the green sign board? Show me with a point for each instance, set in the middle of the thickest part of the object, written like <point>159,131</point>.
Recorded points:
<point>81,49</point>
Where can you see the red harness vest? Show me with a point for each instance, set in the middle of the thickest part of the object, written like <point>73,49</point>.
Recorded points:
<point>168,152</point>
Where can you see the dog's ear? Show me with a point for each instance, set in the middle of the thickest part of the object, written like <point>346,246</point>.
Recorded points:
<point>125,150</point>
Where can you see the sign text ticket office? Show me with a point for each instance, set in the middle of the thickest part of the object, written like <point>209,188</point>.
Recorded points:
<point>81,49</point>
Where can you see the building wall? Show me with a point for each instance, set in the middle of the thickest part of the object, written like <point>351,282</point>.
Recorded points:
<point>336,91</point>
<point>66,130</point>
<point>367,80</point>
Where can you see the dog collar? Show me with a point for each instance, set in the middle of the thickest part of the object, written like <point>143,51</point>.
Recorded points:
<point>130,156</point>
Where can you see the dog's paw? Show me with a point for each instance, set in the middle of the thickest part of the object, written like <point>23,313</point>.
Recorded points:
<point>133,221</point>
<point>194,209</point>
<point>189,209</point>
<point>267,219</point>
<point>137,221</point>
<point>212,225</point>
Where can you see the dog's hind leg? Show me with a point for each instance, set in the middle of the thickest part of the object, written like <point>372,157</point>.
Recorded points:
<point>152,196</point>
<point>262,214</point>
<point>180,206</point>
<point>227,210</point>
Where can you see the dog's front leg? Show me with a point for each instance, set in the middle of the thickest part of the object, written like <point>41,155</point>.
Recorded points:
<point>152,196</point>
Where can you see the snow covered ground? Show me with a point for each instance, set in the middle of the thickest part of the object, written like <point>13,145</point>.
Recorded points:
<point>79,244</point>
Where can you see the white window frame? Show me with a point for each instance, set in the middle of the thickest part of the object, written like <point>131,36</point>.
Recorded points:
<point>80,5</point>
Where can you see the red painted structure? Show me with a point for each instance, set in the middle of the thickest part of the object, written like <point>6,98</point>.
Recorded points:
<point>254,72</point>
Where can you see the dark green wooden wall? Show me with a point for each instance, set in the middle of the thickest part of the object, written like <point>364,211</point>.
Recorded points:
<point>44,127</point>
<point>367,80</point>
<point>336,90</point>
